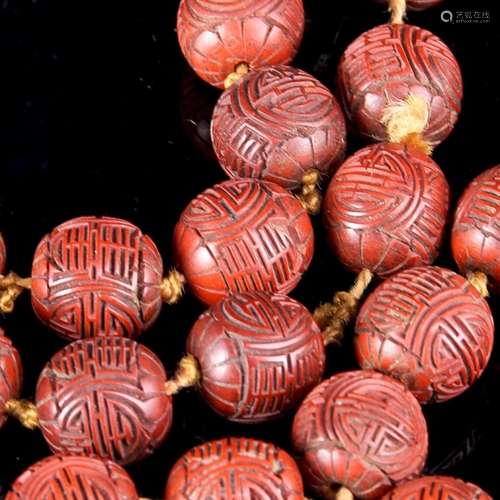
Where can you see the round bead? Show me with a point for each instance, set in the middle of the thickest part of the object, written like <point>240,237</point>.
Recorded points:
<point>235,468</point>
<point>361,429</point>
<point>437,488</point>
<point>242,235</point>
<point>11,374</point>
<point>387,63</point>
<point>259,355</point>
<point>3,255</point>
<point>429,328</point>
<point>61,477</point>
<point>216,35</point>
<point>385,209</point>
<point>475,238</point>
<point>104,397</point>
<point>96,276</point>
<point>417,5</point>
<point>276,124</point>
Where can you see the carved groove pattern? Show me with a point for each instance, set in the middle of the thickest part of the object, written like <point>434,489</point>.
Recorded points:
<point>386,208</point>
<point>216,35</point>
<point>361,429</point>
<point>96,276</point>
<point>475,237</point>
<point>276,124</point>
<point>235,468</point>
<point>104,397</point>
<point>243,235</point>
<point>429,328</point>
<point>437,488</point>
<point>259,355</point>
<point>62,477</point>
<point>11,373</point>
<point>388,62</point>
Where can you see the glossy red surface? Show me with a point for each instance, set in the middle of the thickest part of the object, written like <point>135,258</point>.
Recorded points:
<point>429,328</point>
<point>11,373</point>
<point>243,235</point>
<point>217,35</point>
<point>235,468</point>
<point>475,237</point>
<point>259,355</point>
<point>385,209</point>
<point>3,255</point>
<point>63,477</point>
<point>104,397</point>
<point>388,62</point>
<point>276,124</point>
<point>361,429</point>
<point>96,276</point>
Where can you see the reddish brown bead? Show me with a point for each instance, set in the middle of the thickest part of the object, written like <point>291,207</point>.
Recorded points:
<point>475,239</point>
<point>235,468</point>
<point>96,276</point>
<point>385,209</point>
<point>361,429</point>
<point>11,374</point>
<point>259,355</point>
<point>417,5</point>
<point>3,255</point>
<point>429,328</point>
<point>276,124</point>
<point>61,477</point>
<point>387,63</point>
<point>104,397</point>
<point>243,235</point>
<point>437,488</point>
<point>217,35</point>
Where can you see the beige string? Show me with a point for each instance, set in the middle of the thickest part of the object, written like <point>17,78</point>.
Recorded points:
<point>187,375</point>
<point>310,196</point>
<point>334,316</point>
<point>406,120</point>
<point>11,286</point>
<point>172,287</point>
<point>240,70</point>
<point>397,8</point>
<point>339,493</point>
<point>24,411</point>
<point>479,281</point>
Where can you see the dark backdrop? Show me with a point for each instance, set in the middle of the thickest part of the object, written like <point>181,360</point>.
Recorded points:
<point>99,115</point>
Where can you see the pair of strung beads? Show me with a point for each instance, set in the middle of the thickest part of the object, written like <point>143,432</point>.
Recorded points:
<point>362,430</point>
<point>429,328</point>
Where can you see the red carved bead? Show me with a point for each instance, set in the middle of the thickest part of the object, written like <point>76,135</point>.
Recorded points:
<point>11,374</point>
<point>417,5</point>
<point>387,63</point>
<point>242,235</point>
<point>386,208</point>
<point>61,477</point>
<point>96,276</point>
<point>276,124</point>
<point>217,35</point>
<point>235,468</point>
<point>361,429</point>
<point>259,355</point>
<point>475,238</point>
<point>104,397</point>
<point>437,488</point>
<point>429,328</point>
<point>3,255</point>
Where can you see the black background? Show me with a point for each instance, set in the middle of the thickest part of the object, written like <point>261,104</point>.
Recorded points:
<point>100,116</point>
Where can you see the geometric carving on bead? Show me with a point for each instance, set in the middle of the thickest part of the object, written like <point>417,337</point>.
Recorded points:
<point>96,276</point>
<point>236,468</point>
<point>277,123</point>
<point>385,209</point>
<point>11,374</point>
<point>437,488</point>
<point>216,35</point>
<point>475,240</point>
<point>259,355</point>
<point>429,328</point>
<point>62,477</point>
<point>104,397</point>
<point>387,63</point>
<point>361,429</point>
<point>240,235</point>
